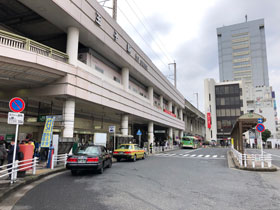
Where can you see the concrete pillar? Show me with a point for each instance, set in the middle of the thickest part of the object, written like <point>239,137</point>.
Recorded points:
<point>151,134</point>
<point>151,95</point>
<point>176,111</point>
<point>181,134</point>
<point>161,101</point>
<point>124,124</point>
<point>72,45</point>
<point>125,78</point>
<point>170,106</point>
<point>68,118</point>
<point>181,114</point>
<point>170,134</point>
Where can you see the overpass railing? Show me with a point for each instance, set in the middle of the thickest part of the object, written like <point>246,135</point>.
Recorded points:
<point>20,42</point>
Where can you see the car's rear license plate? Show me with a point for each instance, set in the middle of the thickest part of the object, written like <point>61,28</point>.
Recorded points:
<point>82,160</point>
<point>121,152</point>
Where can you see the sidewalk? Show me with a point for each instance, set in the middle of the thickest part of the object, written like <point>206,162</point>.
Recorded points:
<point>6,188</point>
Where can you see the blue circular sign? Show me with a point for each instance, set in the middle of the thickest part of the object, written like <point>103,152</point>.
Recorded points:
<point>17,104</point>
<point>260,127</point>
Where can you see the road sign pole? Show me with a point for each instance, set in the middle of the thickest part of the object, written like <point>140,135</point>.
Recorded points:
<point>139,140</point>
<point>114,139</point>
<point>14,156</point>
<point>260,136</point>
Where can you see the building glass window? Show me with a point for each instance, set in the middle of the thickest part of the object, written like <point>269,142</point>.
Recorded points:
<point>228,112</point>
<point>237,111</point>
<point>232,112</point>
<point>222,101</point>
<point>223,112</point>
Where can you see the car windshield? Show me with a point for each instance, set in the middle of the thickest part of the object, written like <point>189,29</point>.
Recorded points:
<point>125,147</point>
<point>87,150</point>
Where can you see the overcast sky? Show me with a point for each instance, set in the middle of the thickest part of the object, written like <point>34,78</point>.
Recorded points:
<point>185,31</point>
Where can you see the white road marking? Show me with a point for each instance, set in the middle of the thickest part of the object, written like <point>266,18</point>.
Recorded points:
<point>214,156</point>
<point>193,155</point>
<point>222,156</point>
<point>186,155</point>
<point>207,156</point>
<point>172,154</point>
<point>200,156</point>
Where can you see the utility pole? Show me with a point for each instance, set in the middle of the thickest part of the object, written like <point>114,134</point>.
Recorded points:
<point>175,73</point>
<point>115,9</point>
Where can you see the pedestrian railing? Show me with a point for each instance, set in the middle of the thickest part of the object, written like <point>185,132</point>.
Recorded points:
<point>11,169</point>
<point>158,149</point>
<point>252,160</point>
<point>57,159</point>
<point>20,42</point>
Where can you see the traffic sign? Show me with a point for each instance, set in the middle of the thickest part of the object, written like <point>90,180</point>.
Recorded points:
<point>17,104</point>
<point>139,133</point>
<point>260,127</point>
<point>260,120</point>
<point>112,129</point>
<point>15,118</point>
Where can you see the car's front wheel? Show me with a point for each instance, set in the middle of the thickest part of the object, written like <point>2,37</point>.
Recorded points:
<point>134,158</point>
<point>110,163</point>
<point>144,156</point>
<point>101,170</point>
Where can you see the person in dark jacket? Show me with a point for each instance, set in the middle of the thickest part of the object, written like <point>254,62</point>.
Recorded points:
<point>10,155</point>
<point>3,153</point>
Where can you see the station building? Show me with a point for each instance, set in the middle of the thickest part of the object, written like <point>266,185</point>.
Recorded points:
<point>71,60</point>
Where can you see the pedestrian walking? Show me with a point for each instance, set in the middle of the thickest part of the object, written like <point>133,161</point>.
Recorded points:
<point>10,155</point>
<point>3,153</point>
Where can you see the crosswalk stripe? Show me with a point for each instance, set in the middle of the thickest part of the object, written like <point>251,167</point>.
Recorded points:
<point>222,156</point>
<point>207,156</point>
<point>214,156</point>
<point>199,155</point>
<point>193,155</point>
<point>181,154</point>
<point>172,154</point>
<point>186,155</point>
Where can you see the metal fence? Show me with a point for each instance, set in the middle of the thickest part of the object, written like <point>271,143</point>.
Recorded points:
<point>11,170</point>
<point>58,159</point>
<point>252,160</point>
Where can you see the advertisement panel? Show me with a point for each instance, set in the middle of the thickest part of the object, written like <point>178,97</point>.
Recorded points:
<point>47,134</point>
<point>209,120</point>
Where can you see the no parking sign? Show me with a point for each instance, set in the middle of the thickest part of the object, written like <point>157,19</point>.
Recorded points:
<point>17,104</point>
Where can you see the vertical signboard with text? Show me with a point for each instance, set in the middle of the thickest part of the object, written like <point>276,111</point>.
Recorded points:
<point>47,134</point>
<point>209,120</point>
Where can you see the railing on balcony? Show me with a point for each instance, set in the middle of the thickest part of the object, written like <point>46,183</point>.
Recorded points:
<point>20,42</point>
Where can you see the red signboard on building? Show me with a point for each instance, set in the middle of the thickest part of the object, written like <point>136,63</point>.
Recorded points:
<point>209,120</point>
<point>169,112</point>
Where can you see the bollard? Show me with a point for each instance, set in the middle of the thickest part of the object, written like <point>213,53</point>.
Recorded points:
<point>262,161</point>
<point>34,166</point>
<point>65,159</point>
<point>245,163</point>
<point>52,166</point>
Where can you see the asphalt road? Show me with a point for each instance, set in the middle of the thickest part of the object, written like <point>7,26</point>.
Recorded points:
<point>164,182</point>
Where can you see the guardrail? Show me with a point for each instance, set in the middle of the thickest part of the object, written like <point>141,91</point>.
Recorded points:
<point>12,168</point>
<point>59,158</point>
<point>247,160</point>
<point>20,42</point>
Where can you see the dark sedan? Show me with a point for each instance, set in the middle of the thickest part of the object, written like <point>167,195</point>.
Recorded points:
<point>89,157</point>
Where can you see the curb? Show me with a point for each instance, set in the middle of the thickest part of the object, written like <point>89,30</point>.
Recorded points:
<point>232,163</point>
<point>12,188</point>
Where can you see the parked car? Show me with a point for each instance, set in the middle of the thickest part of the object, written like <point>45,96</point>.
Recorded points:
<point>129,152</point>
<point>89,157</point>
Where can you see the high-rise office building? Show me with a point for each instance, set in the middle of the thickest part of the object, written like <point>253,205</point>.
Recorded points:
<point>242,53</point>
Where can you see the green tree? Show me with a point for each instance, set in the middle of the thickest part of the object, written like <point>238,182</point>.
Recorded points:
<point>266,134</point>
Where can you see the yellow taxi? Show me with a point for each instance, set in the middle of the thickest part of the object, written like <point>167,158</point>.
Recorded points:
<point>129,152</point>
